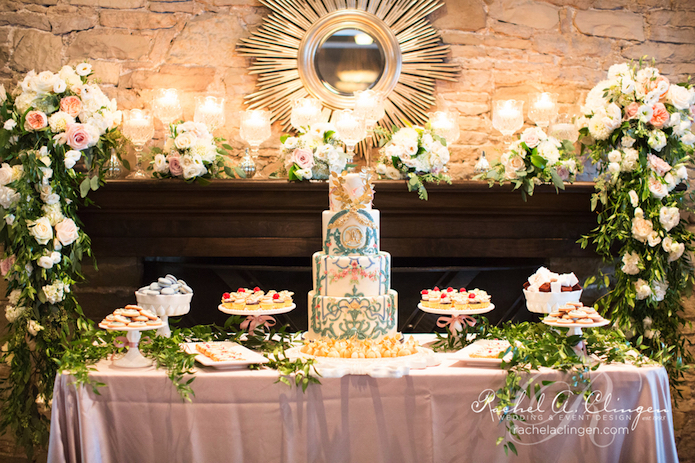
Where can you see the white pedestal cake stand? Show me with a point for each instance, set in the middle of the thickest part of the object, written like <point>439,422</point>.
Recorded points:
<point>260,317</point>
<point>133,358</point>
<point>576,329</point>
<point>165,306</point>
<point>462,316</point>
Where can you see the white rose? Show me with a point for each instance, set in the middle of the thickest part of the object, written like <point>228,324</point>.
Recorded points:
<point>34,327</point>
<point>658,189</point>
<point>643,289</point>
<point>381,168</point>
<point>393,173</point>
<point>41,229</point>
<point>44,81</point>
<point>14,296</point>
<point>12,313</point>
<point>184,140</point>
<point>613,117</point>
<point>630,160</point>
<point>83,69</point>
<point>56,257</point>
<point>614,167</point>
<point>410,147</point>
<point>8,197</point>
<point>160,164</point>
<point>657,140</point>
<point>639,212</point>
<point>549,151</point>
<point>303,173</point>
<point>682,173</point>
<point>614,156</point>
<point>679,97</point>
<point>631,263</point>
<point>71,157</point>
<point>6,174</point>
<point>669,217</point>
<point>290,143</point>
<point>688,138</point>
<point>9,124</point>
<point>531,137</point>
<point>677,250</point>
<point>66,232</point>
<point>660,288</point>
<point>654,239</point>
<point>670,180</point>
<point>627,142</point>
<point>53,213</point>
<point>515,163</point>
<point>634,199</point>
<point>45,262</point>
<point>641,229</point>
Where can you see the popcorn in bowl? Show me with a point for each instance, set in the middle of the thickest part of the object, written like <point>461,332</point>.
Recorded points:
<point>166,297</point>
<point>545,291</point>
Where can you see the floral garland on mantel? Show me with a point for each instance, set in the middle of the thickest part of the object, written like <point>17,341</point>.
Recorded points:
<point>50,122</point>
<point>638,130</point>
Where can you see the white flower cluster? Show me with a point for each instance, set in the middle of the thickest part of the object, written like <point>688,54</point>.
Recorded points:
<point>318,146</point>
<point>640,94</point>
<point>83,114</point>
<point>12,313</point>
<point>418,150</point>
<point>190,147</point>
<point>514,159</point>
<point>55,292</point>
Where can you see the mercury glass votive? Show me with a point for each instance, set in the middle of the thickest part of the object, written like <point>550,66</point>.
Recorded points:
<point>138,127</point>
<point>166,105</point>
<point>254,128</point>
<point>445,125</point>
<point>306,112</point>
<point>543,108</point>
<point>508,117</point>
<point>209,110</point>
<point>350,128</point>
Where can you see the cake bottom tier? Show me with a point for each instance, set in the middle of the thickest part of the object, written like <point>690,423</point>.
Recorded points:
<point>365,317</point>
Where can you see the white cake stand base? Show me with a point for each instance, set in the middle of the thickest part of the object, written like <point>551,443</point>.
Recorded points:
<point>133,358</point>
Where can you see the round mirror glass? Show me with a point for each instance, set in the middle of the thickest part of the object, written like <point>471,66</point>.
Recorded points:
<point>349,60</point>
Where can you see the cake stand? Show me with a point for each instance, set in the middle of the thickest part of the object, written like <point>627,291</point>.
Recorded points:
<point>165,306</point>
<point>257,318</point>
<point>457,317</point>
<point>133,358</point>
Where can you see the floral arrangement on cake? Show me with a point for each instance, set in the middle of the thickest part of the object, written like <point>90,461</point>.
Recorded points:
<point>414,153</point>
<point>638,131</point>
<point>192,154</point>
<point>533,159</point>
<point>314,154</point>
<point>49,123</point>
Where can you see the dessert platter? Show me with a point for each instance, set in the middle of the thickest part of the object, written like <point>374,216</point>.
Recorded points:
<point>223,354</point>
<point>166,297</point>
<point>257,305</point>
<point>485,353</point>
<point>545,291</point>
<point>132,319</point>
<point>575,316</point>
<point>459,305</point>
<point>353,312</point>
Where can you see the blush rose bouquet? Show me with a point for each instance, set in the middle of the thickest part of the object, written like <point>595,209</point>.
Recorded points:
<point>533,159</point>
<point>637,127</point>
<point>48,123</point>
<point>414,153</point>
<point>313,154</point>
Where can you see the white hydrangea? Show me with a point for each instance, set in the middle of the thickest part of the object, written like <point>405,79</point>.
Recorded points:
<point>59,121</point>
<point>12,313</point>
<point>598,129</point>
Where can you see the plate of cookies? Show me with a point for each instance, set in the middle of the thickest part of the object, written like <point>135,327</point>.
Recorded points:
<point>575,314</point>
<point>224,354</point>
<point>484,352</point>
<point>131,318</point>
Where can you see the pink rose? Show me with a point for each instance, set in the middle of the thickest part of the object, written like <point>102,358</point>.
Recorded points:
<point>78,137</point>
<point>6,264</point>
<point>563,172</point>
<point>71,105</point>
<point>660,115</point>
<point>36,120</point>
<point>303,158</point>
<point>657,164</point>
<point>66,232</point>
<point>632,110</point>
<point>531,137</point>
<point>175,165</point>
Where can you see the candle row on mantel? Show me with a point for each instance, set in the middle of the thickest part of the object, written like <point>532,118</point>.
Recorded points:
<point>209,110</point>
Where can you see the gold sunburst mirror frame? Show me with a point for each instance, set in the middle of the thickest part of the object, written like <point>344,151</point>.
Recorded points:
<point>285,47</point>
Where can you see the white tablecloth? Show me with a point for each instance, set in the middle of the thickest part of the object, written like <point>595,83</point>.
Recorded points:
<point>429,416</point>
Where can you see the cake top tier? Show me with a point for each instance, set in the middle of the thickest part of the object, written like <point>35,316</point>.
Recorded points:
<point>350,190</point>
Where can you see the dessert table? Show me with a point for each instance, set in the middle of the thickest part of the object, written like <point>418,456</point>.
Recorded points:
<point>433,415</point>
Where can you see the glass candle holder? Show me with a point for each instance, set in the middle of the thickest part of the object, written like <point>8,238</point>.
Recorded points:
<point>543,109</point>
<point>369,105</point>
<point>351,129</point>
<point>166,105</point>
<point>209,110</point>
<point>306,112</point>
<point>508,117</point>
<point>445,125</point>
<point>254,129</point>
<point>138,127</point>
<point>564,128</point>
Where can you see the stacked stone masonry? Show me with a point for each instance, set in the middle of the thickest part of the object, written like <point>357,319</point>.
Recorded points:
<point>506,48</point>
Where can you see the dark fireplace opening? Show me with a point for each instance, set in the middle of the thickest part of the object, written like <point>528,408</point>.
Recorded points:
<point>210,277</point>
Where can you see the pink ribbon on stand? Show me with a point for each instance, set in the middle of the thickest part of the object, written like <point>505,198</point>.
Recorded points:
<point>455,322</point>
<point>252,321</point>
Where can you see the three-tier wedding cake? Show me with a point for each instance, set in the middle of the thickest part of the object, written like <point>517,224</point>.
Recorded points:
<point>352,293</point>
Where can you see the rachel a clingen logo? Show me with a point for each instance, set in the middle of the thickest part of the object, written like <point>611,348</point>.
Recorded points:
<point>556,411</point>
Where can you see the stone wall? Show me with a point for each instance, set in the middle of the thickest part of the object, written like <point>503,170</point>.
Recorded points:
<point>506,48</point>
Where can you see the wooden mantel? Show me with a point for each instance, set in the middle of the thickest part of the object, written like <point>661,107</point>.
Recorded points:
<point>274,218</point>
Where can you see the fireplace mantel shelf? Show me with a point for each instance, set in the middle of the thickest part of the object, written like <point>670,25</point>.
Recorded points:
<point>274,218</point>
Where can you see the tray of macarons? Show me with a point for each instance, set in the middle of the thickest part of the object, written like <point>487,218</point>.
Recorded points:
<point>575,314</point>
<point>131,318</point>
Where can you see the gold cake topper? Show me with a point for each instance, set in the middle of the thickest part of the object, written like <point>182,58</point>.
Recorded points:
<point>340,191</point>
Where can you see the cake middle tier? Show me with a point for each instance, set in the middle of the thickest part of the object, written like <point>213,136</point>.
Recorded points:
<point>365,317</point>
<point>350,232</point>
<point>341,275</point>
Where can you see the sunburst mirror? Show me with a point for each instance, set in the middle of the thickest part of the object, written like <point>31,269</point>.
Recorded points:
<point>327,49</point>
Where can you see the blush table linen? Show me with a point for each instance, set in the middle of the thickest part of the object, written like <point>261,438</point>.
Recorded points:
<point>432,415</point>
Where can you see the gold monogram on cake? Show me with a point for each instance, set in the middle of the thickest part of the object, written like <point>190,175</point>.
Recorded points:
<point>353,237</point>
<point>339,189</point>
